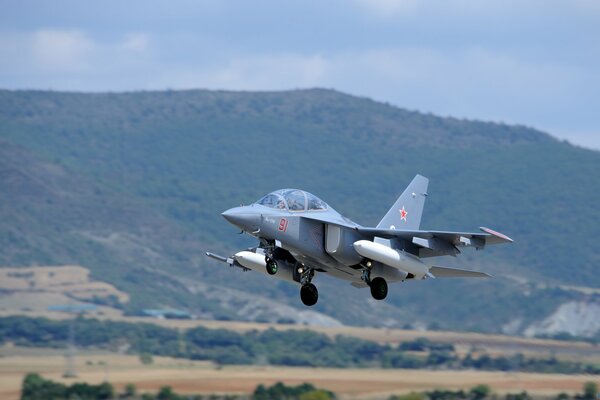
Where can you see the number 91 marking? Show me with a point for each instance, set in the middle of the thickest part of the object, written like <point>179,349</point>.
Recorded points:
<point>283,224</point>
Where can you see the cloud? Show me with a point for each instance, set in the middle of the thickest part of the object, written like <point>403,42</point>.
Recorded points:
<point>60,50</point>
<point>262,72</point>
<point>473,81</point>
<point>388,8</point>
<point>137,42</point>
<point>463,13</point>
<point>71,59</point>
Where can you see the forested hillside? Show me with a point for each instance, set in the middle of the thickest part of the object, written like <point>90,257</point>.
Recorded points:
<point>132,186</point>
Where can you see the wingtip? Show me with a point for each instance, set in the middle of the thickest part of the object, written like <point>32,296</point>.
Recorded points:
<point>419,176</point>
<point>494,233</point>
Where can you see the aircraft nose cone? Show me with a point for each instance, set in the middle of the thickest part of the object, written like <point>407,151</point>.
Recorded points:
<point>229,215</point>
<point>242,218</point>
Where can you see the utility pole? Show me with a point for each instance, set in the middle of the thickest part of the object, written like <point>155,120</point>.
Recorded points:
<point>70,371</point>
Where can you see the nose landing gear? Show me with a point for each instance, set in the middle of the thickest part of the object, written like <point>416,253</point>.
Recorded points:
<point>271,266</point>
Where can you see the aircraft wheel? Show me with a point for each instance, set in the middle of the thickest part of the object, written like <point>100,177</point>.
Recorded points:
<point>309,294</point>
<point>379,288</point>
<point>271,266</point>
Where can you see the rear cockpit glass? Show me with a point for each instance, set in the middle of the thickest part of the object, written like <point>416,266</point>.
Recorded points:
<point>296,200</point>
<point>314,203</point>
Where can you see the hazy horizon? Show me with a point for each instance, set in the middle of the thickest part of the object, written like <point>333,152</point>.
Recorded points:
<point>533,64</point>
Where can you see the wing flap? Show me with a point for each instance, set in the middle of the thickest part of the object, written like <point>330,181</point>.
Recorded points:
<point>447,272</point>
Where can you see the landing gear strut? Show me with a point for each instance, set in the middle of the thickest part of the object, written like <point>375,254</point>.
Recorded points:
<point>308,292</point>
<point>269,248</point>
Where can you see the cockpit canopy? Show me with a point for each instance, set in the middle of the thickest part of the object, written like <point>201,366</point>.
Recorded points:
<point>293,200</point>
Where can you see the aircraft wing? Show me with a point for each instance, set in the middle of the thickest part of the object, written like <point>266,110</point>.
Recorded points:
<point>437,243</point>
<point>332,219</point>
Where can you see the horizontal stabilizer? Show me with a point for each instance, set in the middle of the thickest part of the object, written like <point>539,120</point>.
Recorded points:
<point>447,272</point>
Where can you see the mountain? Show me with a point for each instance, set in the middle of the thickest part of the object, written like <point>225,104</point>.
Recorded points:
<point>131,185</point>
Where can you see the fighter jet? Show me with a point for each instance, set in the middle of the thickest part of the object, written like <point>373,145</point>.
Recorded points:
<point>300,237</point>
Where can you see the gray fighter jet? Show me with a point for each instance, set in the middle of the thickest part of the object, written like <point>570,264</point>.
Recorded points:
<point>301,236</point>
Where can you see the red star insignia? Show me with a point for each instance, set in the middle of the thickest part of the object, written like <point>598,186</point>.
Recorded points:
<point>403,213</point>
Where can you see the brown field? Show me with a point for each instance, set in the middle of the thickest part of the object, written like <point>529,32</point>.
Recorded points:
<point>203,377</point>
<point>463,341</point>
<point>30,290</point>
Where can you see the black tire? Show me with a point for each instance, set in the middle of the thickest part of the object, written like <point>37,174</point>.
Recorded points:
<point>309,294</point>
<point>271,266</point>
<point>379,288</point>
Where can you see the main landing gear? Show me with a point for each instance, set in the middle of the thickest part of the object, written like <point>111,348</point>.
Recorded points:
<point>379,288</point>
<point>378,285</point>
<point>309,294</point>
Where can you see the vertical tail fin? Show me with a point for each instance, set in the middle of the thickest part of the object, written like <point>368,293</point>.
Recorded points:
<point>407,211</point>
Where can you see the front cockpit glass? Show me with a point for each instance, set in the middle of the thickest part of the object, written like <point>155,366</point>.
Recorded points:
<point>272,201</point>
<point>296,200</point>
<point>293,200</point>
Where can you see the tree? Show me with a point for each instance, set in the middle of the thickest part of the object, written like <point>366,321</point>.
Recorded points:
<point>146,358</point>
<point>130,391</point>
<point>105,391</point>
<point>590,390</point>
<point>316,395</point>
<point>518,396</point>
<point>260,393</point>
<point>166,393</point>
<point>409,396</point>
<point>37,388</point>
<point>480,392</point>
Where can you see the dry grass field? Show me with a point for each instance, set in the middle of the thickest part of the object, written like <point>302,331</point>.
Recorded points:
<point>203,377</point>
<point>463,341</point>
<point>30,290</point>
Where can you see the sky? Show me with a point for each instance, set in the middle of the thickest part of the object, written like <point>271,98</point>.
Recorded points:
<point>534,63</point>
